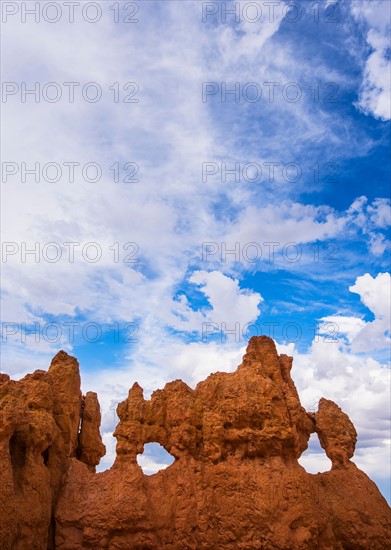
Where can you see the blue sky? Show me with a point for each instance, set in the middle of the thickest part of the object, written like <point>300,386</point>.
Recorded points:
<point>303,246</point>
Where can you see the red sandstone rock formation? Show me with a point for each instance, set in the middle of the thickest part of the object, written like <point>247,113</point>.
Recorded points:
<point>235,483</point>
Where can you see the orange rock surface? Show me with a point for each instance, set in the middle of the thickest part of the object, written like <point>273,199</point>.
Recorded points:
<point>235,484</point>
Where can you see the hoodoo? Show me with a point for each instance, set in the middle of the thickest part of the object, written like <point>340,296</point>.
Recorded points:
<point>235,484</point>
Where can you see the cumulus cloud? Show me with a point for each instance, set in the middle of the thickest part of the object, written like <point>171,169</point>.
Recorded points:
<point>366,336</point>
<point>375,294</point>
<point>230,304</point>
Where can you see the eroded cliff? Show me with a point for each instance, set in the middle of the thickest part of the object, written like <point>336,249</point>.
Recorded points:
<point>235,484</point>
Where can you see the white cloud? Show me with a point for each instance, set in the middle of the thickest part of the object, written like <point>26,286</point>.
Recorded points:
<point>334,325</point>
<point>375,93</point>
<point>154,458</point>
<point>259,21</point>
<point>373,460</point>
<point>362,336</point>
<point>376,215</point>
<point>371,219</point>
<point>377,244</point>
<point>169,134</point>
<point>285,223</point>
<point>230,304</point>
<point>380,213</point>
<point>375,294</point>
<point>196,361</point>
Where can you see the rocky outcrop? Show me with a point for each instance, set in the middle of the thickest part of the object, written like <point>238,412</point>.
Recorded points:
<point>235,484</point>
<point>336,433</point>
<point>39,436</point>
<point>90,446</point>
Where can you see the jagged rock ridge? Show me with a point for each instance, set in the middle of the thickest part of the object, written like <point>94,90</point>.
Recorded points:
<point>235,484</point>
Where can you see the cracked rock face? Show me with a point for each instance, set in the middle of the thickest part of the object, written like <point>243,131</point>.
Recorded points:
<point>235,484</point>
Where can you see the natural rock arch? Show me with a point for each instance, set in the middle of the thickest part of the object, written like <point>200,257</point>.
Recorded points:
<point>154,459</point>
<point>314,458</point>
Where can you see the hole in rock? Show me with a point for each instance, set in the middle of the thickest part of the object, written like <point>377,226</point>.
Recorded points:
<point>45,456</point>
<point>108,459</point>
<point>314,460</point>
<point>17,448</point>
<point>154,458</point>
